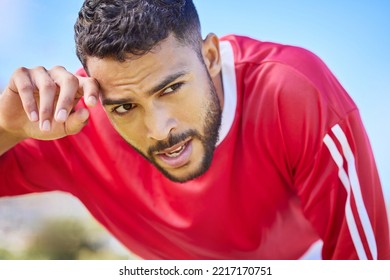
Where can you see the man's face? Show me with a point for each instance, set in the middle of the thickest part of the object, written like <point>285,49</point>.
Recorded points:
<point>164,104</point>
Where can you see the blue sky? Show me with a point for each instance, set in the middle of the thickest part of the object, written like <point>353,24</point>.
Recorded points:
<point>352,37</point>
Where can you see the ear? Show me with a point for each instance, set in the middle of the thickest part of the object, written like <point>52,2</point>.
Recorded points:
<point>211,55</point>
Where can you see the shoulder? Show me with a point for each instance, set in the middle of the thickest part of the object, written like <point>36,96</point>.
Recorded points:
<point>286,73</point>
<point>250,50</point>
<point>269,68</point>
<point>254,55</point>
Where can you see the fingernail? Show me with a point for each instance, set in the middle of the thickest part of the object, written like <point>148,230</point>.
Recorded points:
<point>61,115</point>
<point>83,114</point>
<point>91,101</point>
<point>33,116</point>
<point>46,125</point>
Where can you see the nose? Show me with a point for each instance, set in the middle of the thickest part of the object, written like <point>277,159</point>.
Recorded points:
<point>159,123</point>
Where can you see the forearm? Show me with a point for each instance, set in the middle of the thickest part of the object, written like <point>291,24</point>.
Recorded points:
<point>9,121</point>
<point>7,141</point>
<point>343,182</point>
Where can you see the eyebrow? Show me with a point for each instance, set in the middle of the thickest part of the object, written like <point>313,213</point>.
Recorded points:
<point>166,81</point>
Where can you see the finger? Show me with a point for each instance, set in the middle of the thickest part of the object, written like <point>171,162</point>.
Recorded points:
<point>90,89</point>
<point>47,93</point>
<point>68,84</point>
<point>22,85</point>
<point>76,121</point>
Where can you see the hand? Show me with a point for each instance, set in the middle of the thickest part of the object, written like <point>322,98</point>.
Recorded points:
<point>39,103</point>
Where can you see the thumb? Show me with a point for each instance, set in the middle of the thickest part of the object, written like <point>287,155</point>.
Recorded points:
<point>76,121</point>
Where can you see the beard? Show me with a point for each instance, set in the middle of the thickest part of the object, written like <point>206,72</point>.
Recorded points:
<point>208,139</point>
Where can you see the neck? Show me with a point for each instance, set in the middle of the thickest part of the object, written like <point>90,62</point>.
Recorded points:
<point>217,80</point>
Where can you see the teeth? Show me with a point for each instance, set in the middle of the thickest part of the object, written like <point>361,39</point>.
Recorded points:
<point>176,152</point>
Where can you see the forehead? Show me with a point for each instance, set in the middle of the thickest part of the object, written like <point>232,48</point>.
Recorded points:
<point>137,72</point>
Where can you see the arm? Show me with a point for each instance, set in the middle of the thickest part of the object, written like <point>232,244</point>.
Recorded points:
<point>38,103</point>
<point>325,155</point>
<point>350,156</point>
<point>28,165</point>
<point>332,166</point>
<point>7,141</point>
<point>342,196</point>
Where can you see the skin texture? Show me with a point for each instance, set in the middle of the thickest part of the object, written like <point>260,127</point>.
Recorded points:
<point>31,102</point>
<point>165,101</point>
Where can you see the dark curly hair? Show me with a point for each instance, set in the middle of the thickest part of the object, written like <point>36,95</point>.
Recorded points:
<point>119,28</point>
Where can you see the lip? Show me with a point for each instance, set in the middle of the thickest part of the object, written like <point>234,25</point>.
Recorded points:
<point>182,159</point>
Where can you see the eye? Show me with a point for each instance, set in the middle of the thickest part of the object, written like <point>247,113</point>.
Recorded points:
<point>171,89</point>
<point>124,108</point>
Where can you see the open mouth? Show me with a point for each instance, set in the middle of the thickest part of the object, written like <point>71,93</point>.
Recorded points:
<point>176,152</point>
<point>177,155</point>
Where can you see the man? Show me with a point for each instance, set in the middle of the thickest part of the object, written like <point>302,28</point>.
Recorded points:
<point>199,148</point>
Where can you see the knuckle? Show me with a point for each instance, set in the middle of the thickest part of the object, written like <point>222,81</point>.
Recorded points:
<point>64,77</point>
<point>47,84</point>
<point>58,68</point>
<point>92,84</point>
<point>29,104</point>
<point>21,70</point>
<point>46,111</point>
<point>25,87</point>
<point>70,79</point>
<point>40,69</point>
<point>67,101</point>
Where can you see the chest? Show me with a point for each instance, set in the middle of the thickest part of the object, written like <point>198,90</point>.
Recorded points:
<point>235,210</point>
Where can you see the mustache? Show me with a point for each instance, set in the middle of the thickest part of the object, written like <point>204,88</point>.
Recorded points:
<point>173,140</point>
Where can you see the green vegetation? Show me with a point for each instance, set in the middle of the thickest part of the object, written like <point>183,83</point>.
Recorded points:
<point>66,239</point>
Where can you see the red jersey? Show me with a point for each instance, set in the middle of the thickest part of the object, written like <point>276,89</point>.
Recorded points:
<point>293,175</point>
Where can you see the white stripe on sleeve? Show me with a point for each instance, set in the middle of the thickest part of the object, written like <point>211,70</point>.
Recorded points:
<point>350,181</point>
<point>356,190</point>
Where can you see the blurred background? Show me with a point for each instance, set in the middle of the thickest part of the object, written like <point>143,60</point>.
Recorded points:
<point>352,37</point>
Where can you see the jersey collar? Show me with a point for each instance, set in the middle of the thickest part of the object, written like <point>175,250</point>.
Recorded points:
<point>229,89</point>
